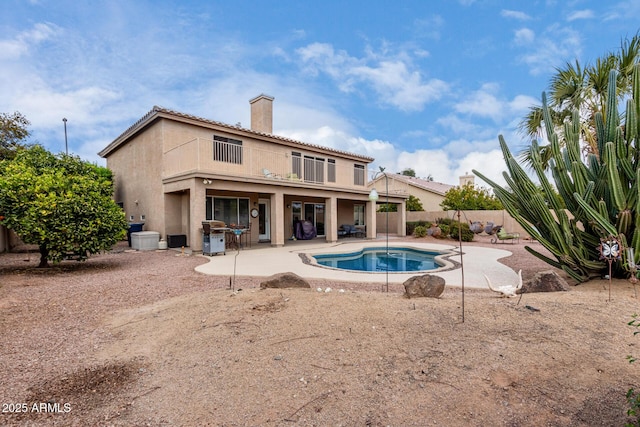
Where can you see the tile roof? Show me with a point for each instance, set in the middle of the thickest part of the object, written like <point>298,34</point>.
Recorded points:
<point>435,187</point>
<point>156,110</point>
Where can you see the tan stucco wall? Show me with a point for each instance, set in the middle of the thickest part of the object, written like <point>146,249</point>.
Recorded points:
<point>137,169</point>
<point>180,142</point>
<point>430,201</point>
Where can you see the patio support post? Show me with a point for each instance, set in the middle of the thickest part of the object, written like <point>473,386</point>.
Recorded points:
<point>277,219</point>
<point>197,213</point>
<point>370,219</point>
<point>331,219</point>
<point>402,219</point>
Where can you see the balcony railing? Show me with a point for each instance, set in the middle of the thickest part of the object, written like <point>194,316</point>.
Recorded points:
<point>200,154</point>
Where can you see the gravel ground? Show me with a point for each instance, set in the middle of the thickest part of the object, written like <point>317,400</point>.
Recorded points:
<point>139,338</point>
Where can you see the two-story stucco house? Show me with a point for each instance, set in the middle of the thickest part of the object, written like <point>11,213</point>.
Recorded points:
<point>173,171</point>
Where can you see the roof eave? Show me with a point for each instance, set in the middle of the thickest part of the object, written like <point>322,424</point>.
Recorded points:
<point>157,112</point>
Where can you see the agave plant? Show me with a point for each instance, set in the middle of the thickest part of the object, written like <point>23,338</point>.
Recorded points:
<point>600,191</point>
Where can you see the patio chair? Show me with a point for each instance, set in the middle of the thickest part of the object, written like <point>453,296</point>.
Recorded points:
<point>502,235</point>
<point>490,228</point>
<point>268,174</point>
<point>348,230</point>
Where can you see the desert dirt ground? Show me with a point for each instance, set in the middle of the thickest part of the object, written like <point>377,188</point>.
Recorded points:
<point>140,338</point>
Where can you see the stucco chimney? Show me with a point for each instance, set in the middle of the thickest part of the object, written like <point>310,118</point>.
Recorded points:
<point>467,179</point>
<point>262,113</point>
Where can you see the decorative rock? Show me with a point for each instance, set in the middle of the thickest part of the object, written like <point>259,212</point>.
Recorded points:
<point>545,281</point>
<point>434,231</point>
<point>426,285</point>
<point>285,280</point>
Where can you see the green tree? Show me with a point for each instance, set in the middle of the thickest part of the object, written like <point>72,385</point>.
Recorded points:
<point>13,134</point>
<point>60,203</point>
<point>469,198</point>
<point>414,204</point>
<point>602,192</point>
<point>388,207</point>
<point>408,172</point>
<point>582,88</point>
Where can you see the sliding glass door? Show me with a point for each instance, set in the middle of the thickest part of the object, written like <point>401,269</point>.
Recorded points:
<point>315,213</point>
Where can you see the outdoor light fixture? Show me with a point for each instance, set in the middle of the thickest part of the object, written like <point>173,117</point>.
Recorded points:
<point>206,181</point>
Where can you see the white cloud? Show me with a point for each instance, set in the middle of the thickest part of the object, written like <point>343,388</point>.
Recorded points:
<point>521,103</point>
<point>430,27</point>
<point>623,10</point>
<point>555,46</point>
<point>436,163</point>
<point>445,168</point>
<point>581,14</point>
<point>515,14</point>
<point>524,36</point>
<point>24,41</point>
<point>482,103</point>
<point>489,163</point>
<point>460,126</point>
<point>399,86</point>
<point>391,77</point>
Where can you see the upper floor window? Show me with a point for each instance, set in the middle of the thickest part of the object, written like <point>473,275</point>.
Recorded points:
<point>296,164</point>
<point>313,169</point>
<point>227,150</point>
<point>358,174</point>
<point>331,170</point>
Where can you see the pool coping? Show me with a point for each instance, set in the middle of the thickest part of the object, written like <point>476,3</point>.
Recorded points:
<point>442,259</point>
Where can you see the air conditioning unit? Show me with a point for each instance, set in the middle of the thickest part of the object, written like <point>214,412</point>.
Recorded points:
<point>176,240</point>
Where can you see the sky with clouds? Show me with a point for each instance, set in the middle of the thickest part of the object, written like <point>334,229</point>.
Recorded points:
<point>414,84</point>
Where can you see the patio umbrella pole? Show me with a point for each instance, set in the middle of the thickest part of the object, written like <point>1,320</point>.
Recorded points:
<point>461,261</point>
<point>235,259</point>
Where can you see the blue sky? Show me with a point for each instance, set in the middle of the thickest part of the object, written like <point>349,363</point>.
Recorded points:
<point>427,85</point>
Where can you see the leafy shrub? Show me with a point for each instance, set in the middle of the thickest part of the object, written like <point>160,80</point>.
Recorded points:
<point>446,221</point>
<point>445,230</point>
<point>465,232</point>
<point>412,225</point>
<point>420,231</point>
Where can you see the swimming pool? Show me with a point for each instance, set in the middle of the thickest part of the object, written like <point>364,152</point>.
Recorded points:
<point>377,260</point>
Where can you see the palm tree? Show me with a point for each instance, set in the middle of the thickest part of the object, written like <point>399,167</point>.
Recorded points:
<point>574,87</point>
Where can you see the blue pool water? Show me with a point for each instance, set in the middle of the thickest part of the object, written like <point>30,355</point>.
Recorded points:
<point>376,260</point>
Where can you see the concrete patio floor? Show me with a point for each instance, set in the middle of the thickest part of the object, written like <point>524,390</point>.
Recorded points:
<point>266,261</point>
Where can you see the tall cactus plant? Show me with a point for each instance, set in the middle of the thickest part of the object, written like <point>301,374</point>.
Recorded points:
<point>601,191</point>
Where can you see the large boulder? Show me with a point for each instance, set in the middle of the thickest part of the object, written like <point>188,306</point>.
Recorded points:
<point>285,280</point>
<point>426,285</point>
<point>544,281</point>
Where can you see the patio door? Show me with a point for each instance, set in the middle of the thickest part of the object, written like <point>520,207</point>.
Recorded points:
<point>314,212</point>
<point>264,223</point>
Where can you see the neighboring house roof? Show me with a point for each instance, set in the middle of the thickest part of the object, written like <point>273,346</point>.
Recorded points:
<point>160,112</point>
<point>432,186</point>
